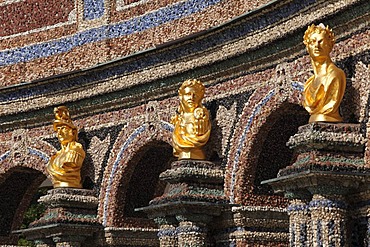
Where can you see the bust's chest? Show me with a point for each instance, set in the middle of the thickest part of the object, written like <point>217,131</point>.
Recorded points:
<point>187,121</point>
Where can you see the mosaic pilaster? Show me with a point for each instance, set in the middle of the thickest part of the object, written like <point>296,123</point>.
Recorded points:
<point>299,222</point>
<point>68,242</point>
<point>329,168</point>
<point>44,243</point>
<point>328,220</point>
<point>359,219</point>
<point>251,226</point>
<point>167,233</point>
<point>192,234</point>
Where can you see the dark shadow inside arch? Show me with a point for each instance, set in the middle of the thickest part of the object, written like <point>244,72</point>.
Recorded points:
<point>274,154</point>
<point>17,188</point>
<point>144,184</point>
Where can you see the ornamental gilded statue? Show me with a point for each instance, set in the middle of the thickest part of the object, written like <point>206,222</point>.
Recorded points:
<point>192,126</point>
<point>64,167</point>
<point>323,91</point>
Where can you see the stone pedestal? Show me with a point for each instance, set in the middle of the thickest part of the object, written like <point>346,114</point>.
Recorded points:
<point>70,218</point>
<point>328,170</point>
<point>193,197</point>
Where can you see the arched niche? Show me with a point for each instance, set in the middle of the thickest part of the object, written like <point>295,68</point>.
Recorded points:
<point>143,182</point>
<point>274,154</point>
<point>270,152</point>
<point>17,187</point>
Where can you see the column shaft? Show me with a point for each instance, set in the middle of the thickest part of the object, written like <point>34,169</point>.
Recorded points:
<point>167,236</point>
<point>299,227</point>
<point>328,220</point>
<point>191,234</point>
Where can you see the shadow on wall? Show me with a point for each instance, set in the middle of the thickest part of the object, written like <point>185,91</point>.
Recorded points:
<point>274,154</point>
<point>144,184</point>
<point>16,192</point>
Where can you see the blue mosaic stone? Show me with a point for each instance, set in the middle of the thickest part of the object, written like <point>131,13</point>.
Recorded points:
<point>163,15</point>
<point>4,156</point>
<point>331,228</point>
<point>242,140</point>
<point>342,233</point>
<point>119,157</point>
<point>93,9</point>
<point>39,154</point>
<point>303,235</point>
<point>167,126</point>
<point>139,24</point>
<point>186,229</point>
<point>166,233</point>
<point>293,208</point>
<point>319,234</point>
<point>292,235</point>
<point>298,86</point>
<point>328,204</point>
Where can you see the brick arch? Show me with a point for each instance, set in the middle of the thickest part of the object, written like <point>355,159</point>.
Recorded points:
<point>254,123</point>
<point>118,171</point>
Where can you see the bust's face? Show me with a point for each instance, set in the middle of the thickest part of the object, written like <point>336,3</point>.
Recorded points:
<point>190,99</point>
<point>318,46</point>
<point>65,134</point>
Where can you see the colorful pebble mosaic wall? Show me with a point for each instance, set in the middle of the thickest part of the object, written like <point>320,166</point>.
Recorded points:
<point>127,34</point>
<point>253,68</point>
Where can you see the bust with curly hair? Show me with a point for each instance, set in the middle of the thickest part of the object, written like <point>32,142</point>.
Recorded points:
<point>323,91</point>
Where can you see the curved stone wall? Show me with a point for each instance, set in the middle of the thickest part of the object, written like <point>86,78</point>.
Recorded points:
<point>121,86</point>
<point>39,41</point>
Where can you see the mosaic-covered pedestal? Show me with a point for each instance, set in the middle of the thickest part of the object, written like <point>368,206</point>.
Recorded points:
<point>327,185</point>
<point>194,196</point>
<point>69,220</point>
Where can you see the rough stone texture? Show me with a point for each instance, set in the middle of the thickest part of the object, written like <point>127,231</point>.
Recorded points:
<point>321,182</point>
<point>119,70</point>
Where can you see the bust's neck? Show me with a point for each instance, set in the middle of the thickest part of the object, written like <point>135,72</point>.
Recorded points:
<point>320,66</point>
<point>65,145</point>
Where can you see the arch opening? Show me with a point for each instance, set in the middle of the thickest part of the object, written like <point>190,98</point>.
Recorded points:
<point>274,153</point>
<point>17,188</point>
<point>144,184</point>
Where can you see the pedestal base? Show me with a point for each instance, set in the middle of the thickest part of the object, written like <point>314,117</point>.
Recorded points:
<point>193,198</point>
<point>69,219</point>
<point>328,171</point>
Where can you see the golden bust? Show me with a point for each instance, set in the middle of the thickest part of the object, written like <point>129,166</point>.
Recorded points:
<point>64,167</point>
<point>324,91</point>
<point>192,126</point>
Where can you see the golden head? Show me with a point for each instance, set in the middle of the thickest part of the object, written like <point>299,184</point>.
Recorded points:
<point>191,94</point>
<point>319,36</point>
<point>63,125</point>
<point>192,126</point>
